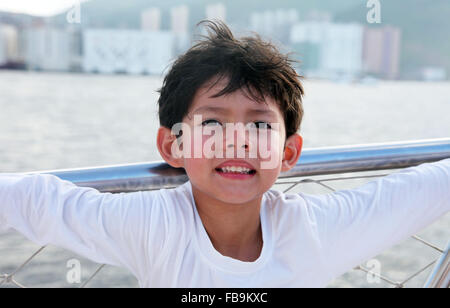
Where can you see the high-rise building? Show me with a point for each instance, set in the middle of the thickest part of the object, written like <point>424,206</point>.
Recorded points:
<point>127,51</point>
<point>329,50</point>
<point>151,19</point>
<point>306,40</point>
<point>274,24</point>
<point>3,47</point>
<point>381,51</point>
<point>9,49</point>
<point>263,23</point>
<point>179,19</point>
<point>48,49</point>
<point>342,50</point>
<point>216,11</point>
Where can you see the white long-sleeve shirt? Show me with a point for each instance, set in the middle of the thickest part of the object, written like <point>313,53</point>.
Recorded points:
<point>158,235</point>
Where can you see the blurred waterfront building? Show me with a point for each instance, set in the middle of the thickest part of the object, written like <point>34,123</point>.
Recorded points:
<point>9,45</point>
<point>76,48</point>
<point>151,19</point>
<point>127,51</point>
<point>216,11</point>
<point>317,15</point>
<point>179,21</point>
<point>381,51</point>
<point>328,50</point>
<point>274,24</point>
<point>48,48</point>
<point>433,73</point>
<point>307,43</point>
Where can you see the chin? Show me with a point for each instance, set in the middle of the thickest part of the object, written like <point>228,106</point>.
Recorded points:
<point>236,196</point>
<point>236,201</point>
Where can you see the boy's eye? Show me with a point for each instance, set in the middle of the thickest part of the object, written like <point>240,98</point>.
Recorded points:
<point>262,125</point>
<point>211,122</point>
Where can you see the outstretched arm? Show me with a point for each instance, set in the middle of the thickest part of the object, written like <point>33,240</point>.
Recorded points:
<point>107,228</point>
<point>355,225</point>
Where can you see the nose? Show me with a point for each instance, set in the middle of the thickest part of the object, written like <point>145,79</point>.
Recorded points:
<point>231,145</point>
<point>236,137</point>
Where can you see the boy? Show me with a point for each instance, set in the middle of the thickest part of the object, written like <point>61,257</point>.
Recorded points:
<point>225,227</point>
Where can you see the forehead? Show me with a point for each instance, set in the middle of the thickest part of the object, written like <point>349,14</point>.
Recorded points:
<point>239,101</point>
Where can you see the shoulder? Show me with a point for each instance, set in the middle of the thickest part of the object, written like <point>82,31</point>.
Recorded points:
<point>285,207</point>
<point>170,219</point>
<point>286,202</point>
<point>172,210</point>
<point>171,200</point>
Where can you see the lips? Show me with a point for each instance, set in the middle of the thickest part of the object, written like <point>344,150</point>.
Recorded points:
<point>236,167</point>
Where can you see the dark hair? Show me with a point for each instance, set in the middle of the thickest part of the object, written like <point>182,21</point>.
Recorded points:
<point>249,63</point>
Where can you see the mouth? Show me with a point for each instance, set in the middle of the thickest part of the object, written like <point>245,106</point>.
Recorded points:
<point>236,171</point>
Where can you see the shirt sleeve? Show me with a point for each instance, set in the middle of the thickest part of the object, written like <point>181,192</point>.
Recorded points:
<point>357,224</point>
<point>106,228</point>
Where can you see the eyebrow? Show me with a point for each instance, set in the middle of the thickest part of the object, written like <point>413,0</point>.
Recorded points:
<point>225,110</point>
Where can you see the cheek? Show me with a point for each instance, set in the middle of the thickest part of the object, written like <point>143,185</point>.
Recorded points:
<point>201,144</point>
<point>196,169</point>
<point>270,146</point>
<point>195,160</point>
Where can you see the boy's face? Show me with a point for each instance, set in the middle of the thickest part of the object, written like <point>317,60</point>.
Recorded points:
<point>233,148</point>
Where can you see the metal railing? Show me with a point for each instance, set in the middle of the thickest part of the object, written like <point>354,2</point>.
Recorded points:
<point>313,162</point>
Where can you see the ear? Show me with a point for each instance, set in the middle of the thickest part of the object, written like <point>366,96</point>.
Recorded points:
<point>292,150</point>
<point>167,147</point>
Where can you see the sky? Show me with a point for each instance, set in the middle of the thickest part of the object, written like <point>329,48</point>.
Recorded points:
<point>37,7</point>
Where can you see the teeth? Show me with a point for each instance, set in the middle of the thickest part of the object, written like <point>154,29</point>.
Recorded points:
<point>236,169</point>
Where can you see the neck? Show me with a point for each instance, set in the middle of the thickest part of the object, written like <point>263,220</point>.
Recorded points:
<point>234,229</point>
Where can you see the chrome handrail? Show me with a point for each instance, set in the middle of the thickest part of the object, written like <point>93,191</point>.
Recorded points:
<point>314,161</point>
<point>440,275</point>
